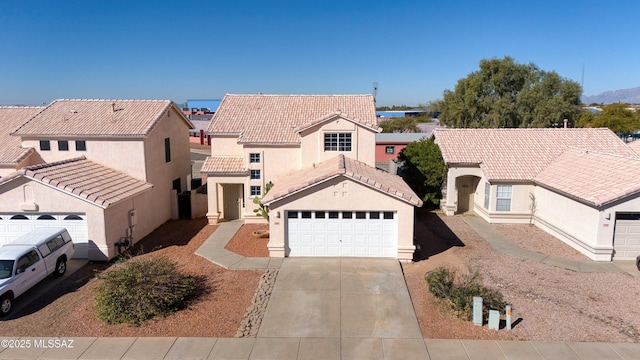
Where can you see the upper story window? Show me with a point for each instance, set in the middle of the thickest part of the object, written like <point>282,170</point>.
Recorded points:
<point>503,198</point>
<point>390,149</point>
<point>167,149</point>
<point>81,145</point>
<point>337,142</point>
<point>255,174</point>
<point>63,145</point>
<point>254,158</point>
<point>45,145</point>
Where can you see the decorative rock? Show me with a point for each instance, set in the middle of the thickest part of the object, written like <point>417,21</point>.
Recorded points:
<point>253,315</point>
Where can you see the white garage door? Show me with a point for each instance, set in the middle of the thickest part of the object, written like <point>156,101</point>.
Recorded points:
<point>626,238</point>
<point>15,225</point>
<point>342,233</point>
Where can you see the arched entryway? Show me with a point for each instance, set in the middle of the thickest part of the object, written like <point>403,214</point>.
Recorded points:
<point>466,187</point>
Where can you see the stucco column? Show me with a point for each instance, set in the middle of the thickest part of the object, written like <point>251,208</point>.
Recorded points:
<point>213,213</point>
<point>450,205</point>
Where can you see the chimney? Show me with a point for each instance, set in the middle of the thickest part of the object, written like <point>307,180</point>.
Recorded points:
<point>565,123</point>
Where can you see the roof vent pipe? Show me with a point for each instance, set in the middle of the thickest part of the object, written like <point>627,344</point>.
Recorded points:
<point>565,123</point>
<point>113,107</point>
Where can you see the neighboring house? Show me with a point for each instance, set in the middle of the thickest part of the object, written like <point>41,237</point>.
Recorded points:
<point>319,152</point>
<point>389,146</point>
<point>108,170</point>
<point>12,155</point>
<point>580,185</point>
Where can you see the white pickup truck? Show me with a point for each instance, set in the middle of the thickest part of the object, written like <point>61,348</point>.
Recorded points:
<point>27,260</point>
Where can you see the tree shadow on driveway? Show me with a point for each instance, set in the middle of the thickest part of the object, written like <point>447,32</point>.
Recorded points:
<point>431,235</point>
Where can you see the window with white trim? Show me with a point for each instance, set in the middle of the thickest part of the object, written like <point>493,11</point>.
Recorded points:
<point>254,158</point>
<point>256,191</point>
<point>255,174</point>
<point>487,194</point>
<point>337,142</point>
<point>503,198</point>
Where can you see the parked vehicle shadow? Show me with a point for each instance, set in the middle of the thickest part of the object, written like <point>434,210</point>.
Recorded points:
<point>431,235</point>
<point>51,288</point>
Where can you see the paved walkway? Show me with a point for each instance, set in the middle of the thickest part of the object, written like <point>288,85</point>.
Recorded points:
<point>500,243</point>
<point>303,320</point>
<point>213,249</point>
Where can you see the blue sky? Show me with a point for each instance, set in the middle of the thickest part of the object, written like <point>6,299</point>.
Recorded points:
<point>414,50</point>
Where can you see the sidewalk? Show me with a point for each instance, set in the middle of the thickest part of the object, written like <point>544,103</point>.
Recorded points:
<point>500,243</point>
<point>154,348</point>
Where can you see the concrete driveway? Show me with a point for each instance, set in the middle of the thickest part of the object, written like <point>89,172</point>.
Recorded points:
<point>333,302</point>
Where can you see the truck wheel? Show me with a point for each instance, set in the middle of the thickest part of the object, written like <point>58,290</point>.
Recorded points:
<point>61,267</point>
<point>6,303</point>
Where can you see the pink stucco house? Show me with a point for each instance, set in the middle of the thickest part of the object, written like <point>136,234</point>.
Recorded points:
<point>319,152</point>
<point>107,170</point>
<point>580,185</point>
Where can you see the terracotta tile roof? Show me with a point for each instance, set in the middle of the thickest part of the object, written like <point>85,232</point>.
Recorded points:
<point>89,118</point>
<point>275,119</point>
<point>224,165</point>
<point>96,183</point>
<point>337,114</point>
<point>594,177</point>
<point>635,146</point>
<point>10,118</point>
<point>521,154</point>
<point>343,166</point>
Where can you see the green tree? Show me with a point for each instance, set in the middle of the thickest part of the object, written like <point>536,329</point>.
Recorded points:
<point>404,124</point>
<point>617,117</point>
<point>504,93</point>
<point>424,169</point>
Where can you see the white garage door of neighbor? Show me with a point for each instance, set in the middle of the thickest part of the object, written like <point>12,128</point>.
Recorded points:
<point>15,225</point>
<point>342,233</point>
<point>626,238</point>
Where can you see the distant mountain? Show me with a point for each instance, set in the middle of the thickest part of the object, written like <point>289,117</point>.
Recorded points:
<point>631,96</point>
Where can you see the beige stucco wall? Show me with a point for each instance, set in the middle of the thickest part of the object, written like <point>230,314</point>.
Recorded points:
<point>341,193</point>
<point>226,146</point>
<point>126,155</point>
<point>520,203</point>
<point>363,142</point>
<point>574,223</point>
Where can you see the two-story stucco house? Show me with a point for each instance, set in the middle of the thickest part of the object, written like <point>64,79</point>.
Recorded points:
<point>319,152</point>
<point>107,170</point>
<point>580,185</point>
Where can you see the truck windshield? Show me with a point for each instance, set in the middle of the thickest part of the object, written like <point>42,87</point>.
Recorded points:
<point>6,266</point>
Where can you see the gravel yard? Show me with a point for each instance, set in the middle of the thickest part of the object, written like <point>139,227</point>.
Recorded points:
<point>549,303</point>
<point>68,310</point>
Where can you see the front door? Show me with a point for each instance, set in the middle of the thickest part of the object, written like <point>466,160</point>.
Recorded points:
<point>232,197</point>
<point>466,186</point>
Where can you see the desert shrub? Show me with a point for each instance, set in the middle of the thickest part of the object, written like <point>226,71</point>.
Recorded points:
<point>141,289</point>
<point>458,292</point>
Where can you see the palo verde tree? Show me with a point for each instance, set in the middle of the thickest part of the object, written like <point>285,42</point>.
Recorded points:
<point>504,93</point>
<point>424,169</point>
